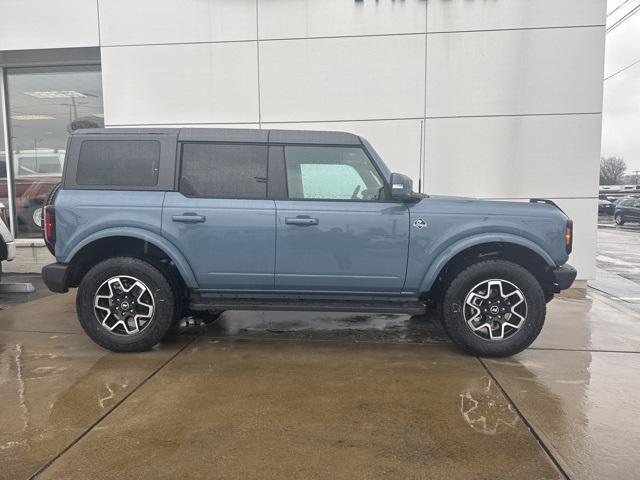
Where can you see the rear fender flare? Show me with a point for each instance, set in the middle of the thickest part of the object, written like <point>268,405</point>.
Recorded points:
<point>167,247</point>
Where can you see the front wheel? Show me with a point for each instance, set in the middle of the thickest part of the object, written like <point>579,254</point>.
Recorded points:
<point>494,308</point>
<point>125,304</point>
<point>619,219</point>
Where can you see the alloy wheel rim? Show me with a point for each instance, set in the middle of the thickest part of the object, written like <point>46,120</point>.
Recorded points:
<point>124,305</point>
<point>495,309</point>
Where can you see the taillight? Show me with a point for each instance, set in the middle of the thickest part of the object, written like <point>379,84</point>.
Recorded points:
<point>49,223</point>
<point>568,236</point>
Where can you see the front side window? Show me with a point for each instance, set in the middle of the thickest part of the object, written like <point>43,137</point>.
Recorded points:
<point>224,171</point>
<point>331,173</point>
<point>122,163</point>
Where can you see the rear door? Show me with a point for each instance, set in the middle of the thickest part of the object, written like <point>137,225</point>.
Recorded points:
<point>337,230</point>
<point>220,218</point>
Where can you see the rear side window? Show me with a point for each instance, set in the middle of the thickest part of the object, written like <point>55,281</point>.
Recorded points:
<point>118,163</point>
<point>224,171</point>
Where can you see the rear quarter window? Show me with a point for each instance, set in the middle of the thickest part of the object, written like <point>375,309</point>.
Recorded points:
<point>118,163</point>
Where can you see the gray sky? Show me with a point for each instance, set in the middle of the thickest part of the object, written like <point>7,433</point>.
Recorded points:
<point>621,109</point>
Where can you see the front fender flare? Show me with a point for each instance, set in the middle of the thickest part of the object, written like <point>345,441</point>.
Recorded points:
<point>452,250</point>
<point>172,252</point>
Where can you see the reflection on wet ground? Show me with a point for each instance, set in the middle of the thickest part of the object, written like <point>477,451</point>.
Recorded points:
<point>319,326</point>
<point>309,395</point>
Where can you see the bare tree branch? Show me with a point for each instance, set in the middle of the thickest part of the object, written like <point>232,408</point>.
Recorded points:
<point>612,171</point>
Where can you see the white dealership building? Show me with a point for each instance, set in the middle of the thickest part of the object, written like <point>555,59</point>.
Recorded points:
<point>488,98</point>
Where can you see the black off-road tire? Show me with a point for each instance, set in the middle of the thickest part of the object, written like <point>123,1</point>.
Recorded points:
<point>158,285</point>
<point>179,294</point>
<point>462,334</point>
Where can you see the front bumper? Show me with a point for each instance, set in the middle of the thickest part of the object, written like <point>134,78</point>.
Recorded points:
<point>55,276</point>
<point>564,277</point>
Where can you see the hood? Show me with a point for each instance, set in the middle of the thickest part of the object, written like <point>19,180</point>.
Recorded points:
<point>455,204</point>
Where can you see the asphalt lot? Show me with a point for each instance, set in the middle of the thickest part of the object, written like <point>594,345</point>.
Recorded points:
<point>618,262</point>
<point>313,395</point>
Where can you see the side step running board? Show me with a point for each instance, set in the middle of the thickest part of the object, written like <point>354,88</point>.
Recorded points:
<point>313,305</point>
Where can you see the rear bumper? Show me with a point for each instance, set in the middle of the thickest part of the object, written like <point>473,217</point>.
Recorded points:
<point>564,277</point>
<point>55,276</point>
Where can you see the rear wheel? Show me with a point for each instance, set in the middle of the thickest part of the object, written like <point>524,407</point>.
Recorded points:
<point>125,304</point>
<point>494,308</point>
<point>619,219</point>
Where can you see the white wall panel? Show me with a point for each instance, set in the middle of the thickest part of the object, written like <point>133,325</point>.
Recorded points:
<point>32,24</point>
<point>342,78</point>
<point>506,157</point>
<point>456,15</point>
<point>396,141</point>
<point>313,18</point>
<point>197,83</point>
<point>188,125</point>
<point>134,22</point>
<point>515,72</point>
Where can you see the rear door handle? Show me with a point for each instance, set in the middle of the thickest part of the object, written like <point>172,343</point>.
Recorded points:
<point>302,221</point>
<point>189,218</point>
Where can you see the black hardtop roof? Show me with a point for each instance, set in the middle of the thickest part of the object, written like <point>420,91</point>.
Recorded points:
<point>234,135</point>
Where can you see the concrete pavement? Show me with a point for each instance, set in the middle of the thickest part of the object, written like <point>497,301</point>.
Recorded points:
<point>313,395</point>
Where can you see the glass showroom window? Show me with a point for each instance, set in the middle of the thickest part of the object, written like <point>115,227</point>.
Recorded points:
<point>4,194</point>
<point>45,104</point>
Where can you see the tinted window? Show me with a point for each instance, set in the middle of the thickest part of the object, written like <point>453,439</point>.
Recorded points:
<point>224,171</point>
<point>118,162</point>
<point>331,173</point>
<point>625,203</point>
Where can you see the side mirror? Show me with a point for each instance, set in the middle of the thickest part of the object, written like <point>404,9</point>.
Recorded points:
<point>401,187</point>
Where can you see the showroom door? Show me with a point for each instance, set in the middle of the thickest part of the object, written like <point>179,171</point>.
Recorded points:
<point>45,104</point>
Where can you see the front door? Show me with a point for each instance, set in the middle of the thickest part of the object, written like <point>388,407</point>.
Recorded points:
<point>221,219</point>
<point>337,231</point>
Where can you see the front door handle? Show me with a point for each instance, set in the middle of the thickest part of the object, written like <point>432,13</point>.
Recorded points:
<point>301,220</point>
<point>189,218</point>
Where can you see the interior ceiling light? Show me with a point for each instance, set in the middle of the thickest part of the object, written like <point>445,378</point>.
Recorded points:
<point>32,117</point>
<point>56,94</point>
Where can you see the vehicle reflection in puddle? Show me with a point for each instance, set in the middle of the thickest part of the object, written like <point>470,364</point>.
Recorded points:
<point>358,327</point>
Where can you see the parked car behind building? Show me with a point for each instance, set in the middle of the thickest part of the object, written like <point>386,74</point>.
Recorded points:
<point>605,207</point>
<point>627,210</point>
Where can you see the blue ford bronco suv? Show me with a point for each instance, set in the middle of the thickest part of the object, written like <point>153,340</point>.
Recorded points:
<point>151,224</point>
